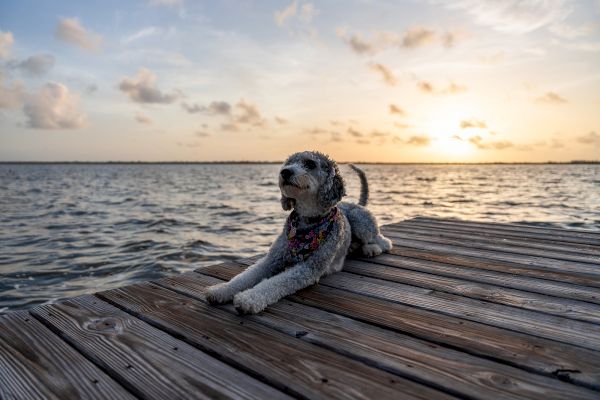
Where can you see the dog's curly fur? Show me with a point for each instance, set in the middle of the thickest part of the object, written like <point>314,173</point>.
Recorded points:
<point>311,184</point>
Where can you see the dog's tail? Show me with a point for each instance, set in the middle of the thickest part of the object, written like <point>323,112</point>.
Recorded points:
<point>364,185</point>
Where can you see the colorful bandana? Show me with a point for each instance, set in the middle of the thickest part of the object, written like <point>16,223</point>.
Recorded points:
<point>303,242</point>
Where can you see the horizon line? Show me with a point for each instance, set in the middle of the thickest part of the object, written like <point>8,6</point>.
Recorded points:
<point>339,162</point>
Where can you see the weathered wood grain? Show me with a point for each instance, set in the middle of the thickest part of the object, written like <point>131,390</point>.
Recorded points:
<point>290,364</point>
<point>556,234</point>
<point>496,294</point>
<point>583,270</point>
<point>151,363</point>
<point>499,266</point>
<point>565,330</point>
<point>508,280</point>
<point>517,349</point>
<point>37,364</point>
<point>450,370</point>
<point>529,240</point>
<point>481,241</point>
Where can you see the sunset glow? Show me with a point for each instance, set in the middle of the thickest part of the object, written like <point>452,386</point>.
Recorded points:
<point>418,81</point>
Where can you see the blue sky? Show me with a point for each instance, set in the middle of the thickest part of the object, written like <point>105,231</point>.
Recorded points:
<point>438,80</point>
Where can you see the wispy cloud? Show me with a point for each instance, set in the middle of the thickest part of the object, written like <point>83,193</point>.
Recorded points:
<point>590,138</point>
<point>142,33</point>
<point>418,36</point>
<point>386,74</point>
<point>418,140</point>
<point>472,123</point>
<point>6,42</point>
<point>214,108</point>
<point>394,109</point>
<point>490,145</point>
<point>354,132</point>
<point>281,121</point>
<point>36,65</point>
<point>202,134</point>
<point>72,31</point>
<point>512,16</point>
<point>142,89</point>
<point>166,3</point>
<point>551,98</point>
<point>452,88</point>
<point>413,38</point>
<point>288,12</point>
<point>54,107</point>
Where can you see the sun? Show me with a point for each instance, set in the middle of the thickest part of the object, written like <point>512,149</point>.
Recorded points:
<point>444,132</point>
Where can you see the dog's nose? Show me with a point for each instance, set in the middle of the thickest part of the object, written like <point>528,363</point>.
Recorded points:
<point>286,173</point>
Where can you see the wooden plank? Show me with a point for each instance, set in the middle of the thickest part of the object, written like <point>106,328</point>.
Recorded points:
<point>297,367</point>
<point>37,364</point>
<point>557,234</point>
<point>517,349</point>
<point>574,268</point>
<point>512,281</point>
<point>449,370</point>
<point>476,242</point>
<point>499,266</point>
<point>517,238</point>
<point>518,226</point>
<point>514,245</point>
<point>565,330</point>
<point>571,309</point>
<point>151,363</point>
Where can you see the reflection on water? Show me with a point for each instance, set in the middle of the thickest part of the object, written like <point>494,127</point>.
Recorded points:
<point>74,229</point>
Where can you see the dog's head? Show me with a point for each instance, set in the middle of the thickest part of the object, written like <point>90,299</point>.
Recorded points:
<point>310,179</point>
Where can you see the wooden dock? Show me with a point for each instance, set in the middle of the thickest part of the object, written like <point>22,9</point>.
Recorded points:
<point>457,310</point>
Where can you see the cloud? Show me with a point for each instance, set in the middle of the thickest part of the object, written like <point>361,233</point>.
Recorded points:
<point>146,32</point>
<point>232,127</point>
<point>386,74</point>
<point>452,88</point>
<point>249,114</point>
<point>591,138</point>
<point>53,107</point>
<point>11,96</point>
<point>418,36</point>
<point>288,12</point>
<point>37,64</point>
<point>401,125</point>
<point>394,109</point>
<point>214,108</point>
<point>425,86</point>
<point>492,145</point>
<point>142,89</point>
<point>71,31</point>
<point>473,123</point>
<point>354,132</point>
<point>142,118</point>
<point>412,38</point>
<point>551,98</point>
<point>418,140</point>
<point>6,42</point>
<point>308,12</point>
<point>281,121</point>
<point>512,16</point>
<point>202,134</point>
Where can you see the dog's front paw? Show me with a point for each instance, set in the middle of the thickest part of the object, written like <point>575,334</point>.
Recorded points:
<point>219,294</point>
<point>371,250</point>
<point>247,303</point>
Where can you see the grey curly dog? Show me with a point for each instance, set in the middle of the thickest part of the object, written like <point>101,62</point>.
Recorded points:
<point>315,240</point>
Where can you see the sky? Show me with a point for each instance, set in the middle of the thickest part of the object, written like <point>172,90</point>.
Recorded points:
<point>390,81</point>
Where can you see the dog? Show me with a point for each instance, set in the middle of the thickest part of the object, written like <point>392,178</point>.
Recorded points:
<point>318,234</point>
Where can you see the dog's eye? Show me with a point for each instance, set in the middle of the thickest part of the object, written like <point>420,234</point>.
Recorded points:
<point>310,164</point>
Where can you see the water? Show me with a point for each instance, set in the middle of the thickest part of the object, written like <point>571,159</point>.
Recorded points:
<point>67,230</point>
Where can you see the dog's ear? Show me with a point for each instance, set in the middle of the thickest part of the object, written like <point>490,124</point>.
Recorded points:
<point>332,191</point>
<point>287,203</point>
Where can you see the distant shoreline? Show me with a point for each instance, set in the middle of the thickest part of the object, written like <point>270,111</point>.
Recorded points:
<point>574,162</point>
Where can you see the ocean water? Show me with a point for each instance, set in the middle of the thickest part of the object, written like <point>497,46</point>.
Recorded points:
<point>66,230</point>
